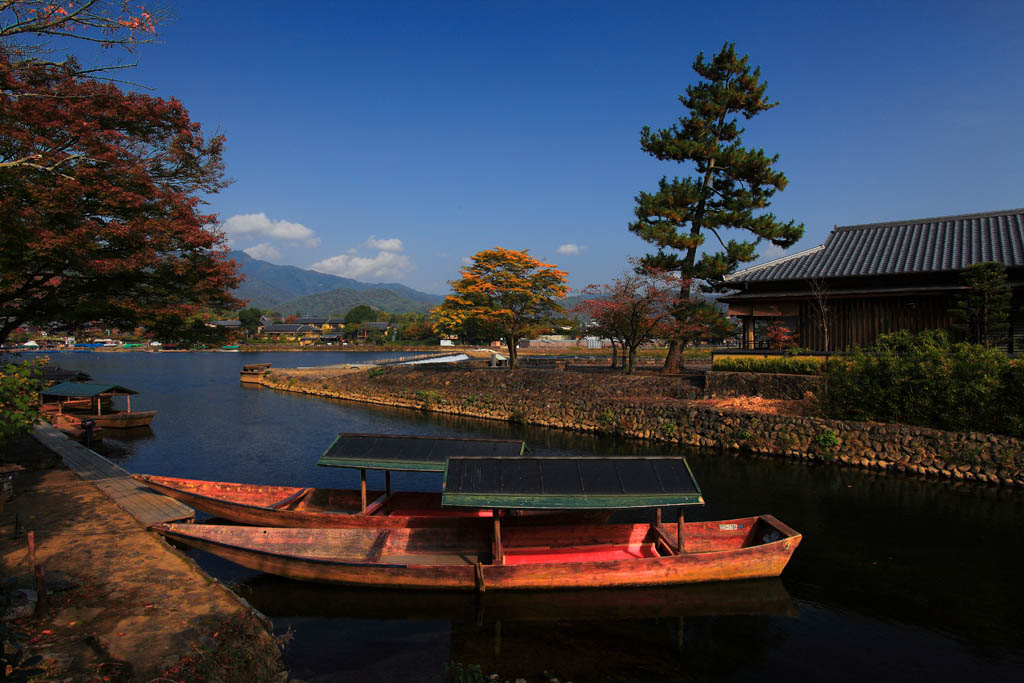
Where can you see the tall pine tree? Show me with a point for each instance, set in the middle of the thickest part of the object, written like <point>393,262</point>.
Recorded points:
<point>730,188</point>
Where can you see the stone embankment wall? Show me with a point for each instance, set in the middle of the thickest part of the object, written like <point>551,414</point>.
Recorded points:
<point>662,409</point>
<point>763,384</point>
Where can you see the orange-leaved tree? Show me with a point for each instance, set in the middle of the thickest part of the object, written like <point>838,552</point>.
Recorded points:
<point>506,292</point>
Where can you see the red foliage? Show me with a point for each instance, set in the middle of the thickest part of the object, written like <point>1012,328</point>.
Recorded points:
<point>99,204</point>
<point>634,309</point>
<point>779,336</point>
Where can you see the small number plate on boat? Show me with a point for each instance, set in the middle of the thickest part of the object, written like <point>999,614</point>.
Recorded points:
<point>729,527</point>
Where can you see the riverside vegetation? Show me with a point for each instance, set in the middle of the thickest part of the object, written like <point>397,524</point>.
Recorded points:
<point>667,409</point>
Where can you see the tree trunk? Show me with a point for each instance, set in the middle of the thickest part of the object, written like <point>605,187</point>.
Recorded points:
<point>632,360</point>
<point>614,354</point>
<point>513,355</point>
<point>672,359</point>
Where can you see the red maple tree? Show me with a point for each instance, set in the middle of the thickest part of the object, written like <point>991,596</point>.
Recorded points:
<point>633,310</point>
<point>779,336</point>
<point>100,203</point>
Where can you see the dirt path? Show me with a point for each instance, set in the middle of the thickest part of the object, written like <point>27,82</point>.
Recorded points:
<point>123,605</point>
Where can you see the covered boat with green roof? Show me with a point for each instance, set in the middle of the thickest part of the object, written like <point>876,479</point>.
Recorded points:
<point>502,556</point>
<point>94,401</point>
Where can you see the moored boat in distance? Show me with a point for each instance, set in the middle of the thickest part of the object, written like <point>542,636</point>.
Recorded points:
<point>94,401</point>
<point>252,372</point>
<point>76,428</point>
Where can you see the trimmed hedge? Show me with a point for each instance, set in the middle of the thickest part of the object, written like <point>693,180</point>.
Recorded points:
<point>926,380</point>
<point>784,365</point>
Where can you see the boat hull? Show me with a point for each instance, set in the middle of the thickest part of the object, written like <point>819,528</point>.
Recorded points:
<point>123,420</point>
<point>537,558</point>
<point>260,505</point>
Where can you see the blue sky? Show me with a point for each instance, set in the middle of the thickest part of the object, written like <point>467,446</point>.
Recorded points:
<point>389,141</point>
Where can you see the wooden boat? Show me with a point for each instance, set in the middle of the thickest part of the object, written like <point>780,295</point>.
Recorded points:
<point>95,402</point>
<point>73,427</point>
<point>533,557</point>
<point>252,372</point>
<point>290,506</point>
<point>293,506</point>
<point>523,557</point>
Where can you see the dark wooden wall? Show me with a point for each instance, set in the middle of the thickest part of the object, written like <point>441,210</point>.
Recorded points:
<point>857,322</point>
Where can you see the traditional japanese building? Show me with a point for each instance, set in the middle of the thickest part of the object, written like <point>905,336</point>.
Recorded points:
<point>867,280</point>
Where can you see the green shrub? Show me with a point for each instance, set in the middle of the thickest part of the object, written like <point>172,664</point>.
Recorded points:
<point>19,399</point>
<point>607,417</point>
<point>784,365</point>
<point>826,440</point>
<point>926,380</point>
<point>428,397</point>
<point>376,372</point>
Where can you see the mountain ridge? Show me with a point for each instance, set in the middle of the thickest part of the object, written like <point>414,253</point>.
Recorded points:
<point>290,289</point>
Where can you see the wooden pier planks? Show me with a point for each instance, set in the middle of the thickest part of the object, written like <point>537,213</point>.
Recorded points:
<point>145,505</point>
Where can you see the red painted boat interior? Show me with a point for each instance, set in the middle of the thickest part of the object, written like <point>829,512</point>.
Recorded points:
<point>579,554</point>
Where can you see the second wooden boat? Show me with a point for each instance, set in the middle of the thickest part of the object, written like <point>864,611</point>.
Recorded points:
<point>290,506</point>
<point>293,506</point>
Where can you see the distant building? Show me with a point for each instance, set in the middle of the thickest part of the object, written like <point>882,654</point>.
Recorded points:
<point>877,278</point>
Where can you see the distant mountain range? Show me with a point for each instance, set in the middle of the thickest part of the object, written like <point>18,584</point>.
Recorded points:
<point>288,290</point>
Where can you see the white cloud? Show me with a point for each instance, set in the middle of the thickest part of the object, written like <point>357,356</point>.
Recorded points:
<point>768,252</point>
<point>264,251</point>
<point>571,249</point>
<point>258,225</point>
<point>390,244</point>
<point>467,260</point>
<point>385,265</point>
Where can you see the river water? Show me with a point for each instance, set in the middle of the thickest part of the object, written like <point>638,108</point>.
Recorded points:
<point>897,579</point>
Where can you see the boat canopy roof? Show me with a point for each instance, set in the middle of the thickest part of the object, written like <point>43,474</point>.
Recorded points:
<point>85,389</point>
<point>411,453</point>
<point>570,483</point>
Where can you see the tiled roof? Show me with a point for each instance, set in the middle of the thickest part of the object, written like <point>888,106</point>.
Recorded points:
<point>282,327</point>
<point>947,243</point>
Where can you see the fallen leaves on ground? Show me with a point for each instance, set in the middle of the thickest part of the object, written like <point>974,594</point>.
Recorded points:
<point>767,406</point>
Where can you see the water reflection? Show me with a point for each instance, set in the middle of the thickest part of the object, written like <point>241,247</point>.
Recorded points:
<point>632,634</point>
<point>922,575</point>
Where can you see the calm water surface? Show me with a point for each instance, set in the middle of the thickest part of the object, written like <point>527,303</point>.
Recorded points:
<point>897,578</point>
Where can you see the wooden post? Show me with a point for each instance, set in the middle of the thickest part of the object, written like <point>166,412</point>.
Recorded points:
<point>499,552</point>
<point>679,533</point>
<point>387,482</point>
<point>38,572</point>
<point>657,516</point>
<point>362,488</point>
<point>128,403</point>
<point>748,332</point>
